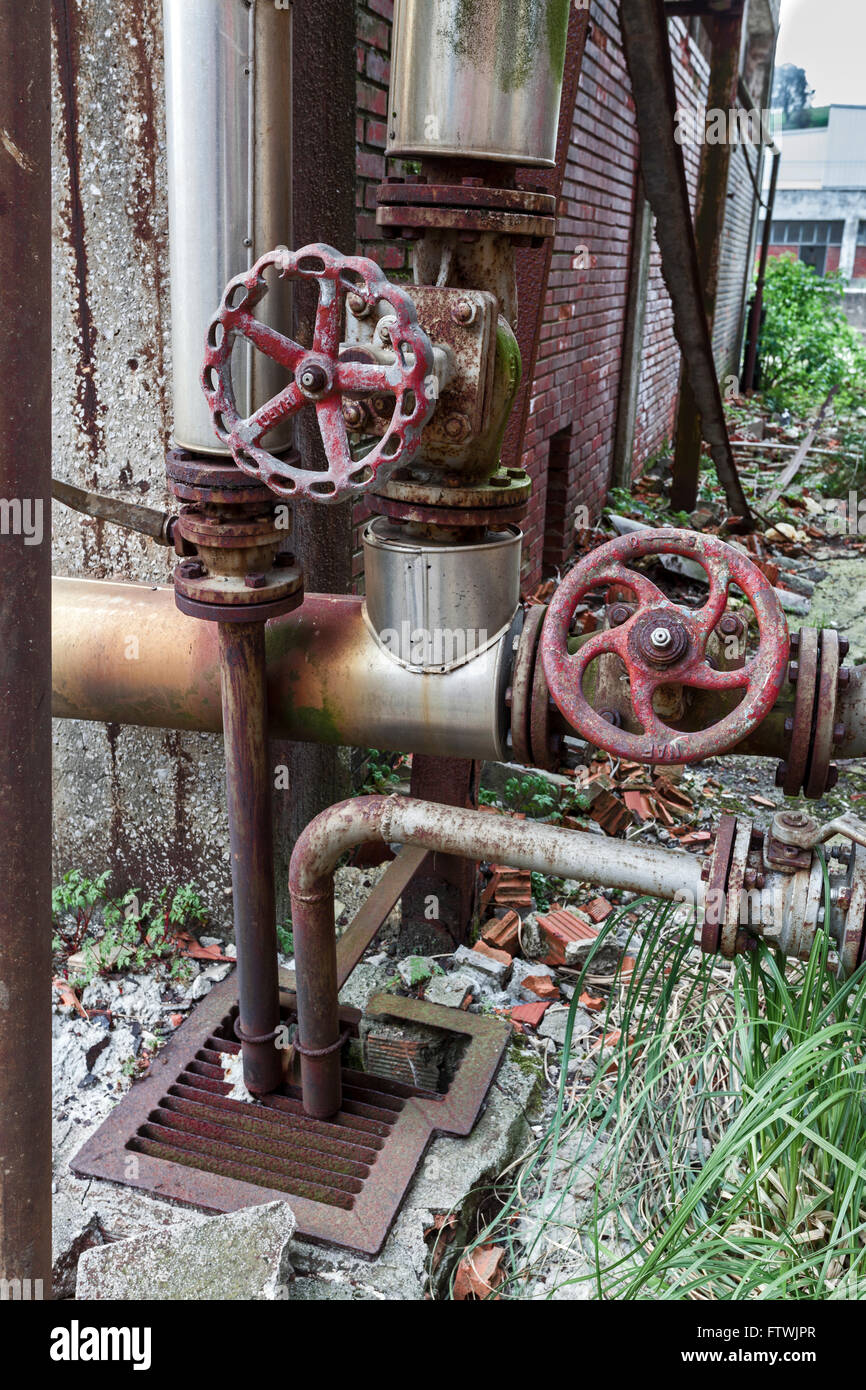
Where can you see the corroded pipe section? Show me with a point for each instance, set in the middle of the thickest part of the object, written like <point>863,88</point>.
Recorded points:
<point>248,796</point>
<point>662,873</point>
<point>123,654</point>
<point>25,675</point>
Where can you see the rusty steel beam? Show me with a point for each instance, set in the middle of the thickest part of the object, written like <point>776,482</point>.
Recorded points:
<point>368,920</point>
<point>25,649</point>
<point>647,51</point>
<point>725,32</point>
<point>533,267</point>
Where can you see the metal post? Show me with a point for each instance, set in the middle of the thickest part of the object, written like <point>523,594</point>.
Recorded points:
<point>248,795</point>
<point>25,648</point>
<point>758,298</point>
<point>725,32</point>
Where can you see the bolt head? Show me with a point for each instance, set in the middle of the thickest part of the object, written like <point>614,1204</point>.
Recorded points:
<point>192,569</point>
<point>255,581</point>
<point>457,428</point>
<point>619,614</point>
<point>313,379</point>
<point>844,678</point>
<point>844,646</point>
<point>463,312</point>
<point>354,414</point>
<point>793,671</point>
<point>660,638</point>
<point>357,305</point>
<point>729,625</point>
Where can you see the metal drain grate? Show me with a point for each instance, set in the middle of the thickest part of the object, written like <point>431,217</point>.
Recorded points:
<point>180,1135</point>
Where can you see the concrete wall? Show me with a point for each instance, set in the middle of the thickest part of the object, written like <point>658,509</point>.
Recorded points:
<point>147,804</point>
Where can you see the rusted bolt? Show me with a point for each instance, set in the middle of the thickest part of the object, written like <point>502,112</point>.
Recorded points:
<point>843,898</point>
<point>844,678</point>
<point>380,405</point>
<point>472,182</point>
<point>359,307</point>
<point>757,838</point>
<point>313,379</point>
<point>705,870</point>
<point>255,581</point>
<point>354,414</point>
<point>619,613</point>
<point>730,625</point>
<point>284,561</point>
<point>463,312</point>
<point>844,646</point>
<point>192,569</point>
<point>793,671</point>
<point>663,643</point>
<point>793,819</point>
<point>457,428</point>
<point>781,774</point>
<point>611,716</point>
<point>795,641</point>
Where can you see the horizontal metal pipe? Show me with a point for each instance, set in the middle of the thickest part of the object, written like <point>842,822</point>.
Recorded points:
<point>124,654</point>
<point>663,873</point>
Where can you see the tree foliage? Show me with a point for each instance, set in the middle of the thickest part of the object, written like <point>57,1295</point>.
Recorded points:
<point>806,344</point>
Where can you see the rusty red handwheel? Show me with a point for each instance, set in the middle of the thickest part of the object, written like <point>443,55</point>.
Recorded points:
<point>663,643</point>
<point>320,377</point>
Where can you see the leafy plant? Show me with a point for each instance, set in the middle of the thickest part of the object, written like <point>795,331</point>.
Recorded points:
<point>807,345</point>
<point>285,939</point>
<point>385,771</point>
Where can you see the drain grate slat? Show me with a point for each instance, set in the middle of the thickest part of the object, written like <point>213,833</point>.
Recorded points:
<point>290,1105</point>
<point>284,1149</point>
<point>228,1168</point>
<point>232,1153</point>
<point>251,1118</point>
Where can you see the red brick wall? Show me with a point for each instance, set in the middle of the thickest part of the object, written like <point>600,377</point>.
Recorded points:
<point>860,263</point>
<point>574,398</point>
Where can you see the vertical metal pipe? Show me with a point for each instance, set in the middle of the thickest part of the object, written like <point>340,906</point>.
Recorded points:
<point>25,646</point>
<point>318,1009</point>
<point>758,299</point>
<point>248,795</point>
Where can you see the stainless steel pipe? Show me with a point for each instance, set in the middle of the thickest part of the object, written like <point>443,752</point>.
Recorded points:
<point>477,79</point>
<point>228,92</point>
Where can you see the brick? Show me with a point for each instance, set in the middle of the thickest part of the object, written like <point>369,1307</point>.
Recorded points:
<point>597,910</point>
<point>503,933</point>
<point>531,1014</point>
<point>559,928</point>
<point>542,985</point>
<point>491,953</point>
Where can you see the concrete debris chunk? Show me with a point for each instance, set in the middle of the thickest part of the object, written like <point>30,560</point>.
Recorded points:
<point>451,991</point>
<point>491,972</point>
<point>241,1256</point>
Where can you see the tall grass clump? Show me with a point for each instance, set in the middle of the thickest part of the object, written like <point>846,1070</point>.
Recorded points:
<point>715,1149</point>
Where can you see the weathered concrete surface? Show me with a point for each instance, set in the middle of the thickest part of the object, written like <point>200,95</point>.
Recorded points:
<point>840,601</point>
<point>145,803</point>
<point>242,1256</point>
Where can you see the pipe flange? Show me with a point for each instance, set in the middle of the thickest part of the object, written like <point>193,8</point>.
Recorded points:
<point>448,517</point>
<point>415,221</point>
<point>803,670</point>
<point>522,685</point>
<point>822,774</point>
<point>194,478</point>
<point>716,870</point>
<point>416,191</point>
<point>544,743</point>
<point>507,487</point>
<point>232,599</point>
<point>853,943</point>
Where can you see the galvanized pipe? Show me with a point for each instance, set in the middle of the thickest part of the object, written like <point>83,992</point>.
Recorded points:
<point>248,795</point>
<point>663,873</point>
<point>25,655</point>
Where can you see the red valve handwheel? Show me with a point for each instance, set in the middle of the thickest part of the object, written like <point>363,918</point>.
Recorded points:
<point>665,644</point>
<point>320,377</point>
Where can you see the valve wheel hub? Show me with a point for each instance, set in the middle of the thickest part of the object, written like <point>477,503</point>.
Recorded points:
<point>661,643</point>
<point>320,376</point>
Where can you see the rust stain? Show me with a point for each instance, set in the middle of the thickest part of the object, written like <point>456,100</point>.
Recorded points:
<point>144,28</point>
<point>64,22</point>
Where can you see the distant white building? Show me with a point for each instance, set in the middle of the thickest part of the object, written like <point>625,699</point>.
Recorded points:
<point>820,208</point>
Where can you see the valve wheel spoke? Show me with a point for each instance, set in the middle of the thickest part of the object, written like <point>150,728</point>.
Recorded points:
<point>289,401</point>
<point>269,341</point>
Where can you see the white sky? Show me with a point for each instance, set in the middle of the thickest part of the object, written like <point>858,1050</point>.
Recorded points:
<point>828,39</point>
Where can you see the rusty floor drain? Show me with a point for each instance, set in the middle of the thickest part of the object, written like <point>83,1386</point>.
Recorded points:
<point>178,1135</point>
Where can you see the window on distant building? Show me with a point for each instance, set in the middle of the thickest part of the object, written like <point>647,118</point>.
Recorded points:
<point>816,243</point>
